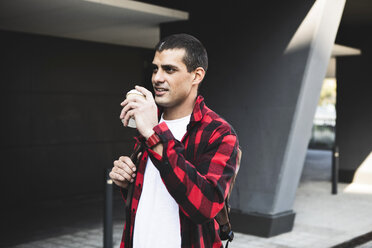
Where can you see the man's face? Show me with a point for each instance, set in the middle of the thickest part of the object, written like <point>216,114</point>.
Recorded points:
<point>171,81</point>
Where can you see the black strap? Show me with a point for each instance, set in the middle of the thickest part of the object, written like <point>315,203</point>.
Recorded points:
<point>227,244</point>
<point>130,190</point>
<point>135,160</point>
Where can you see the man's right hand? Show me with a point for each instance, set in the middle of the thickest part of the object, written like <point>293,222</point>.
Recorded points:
<point>123,172</point>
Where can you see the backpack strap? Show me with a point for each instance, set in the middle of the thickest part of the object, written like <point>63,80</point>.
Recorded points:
<point>135,159</point>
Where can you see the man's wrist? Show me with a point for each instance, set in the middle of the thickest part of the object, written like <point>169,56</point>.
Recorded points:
<point>153,140</point>
<point>148,134</point>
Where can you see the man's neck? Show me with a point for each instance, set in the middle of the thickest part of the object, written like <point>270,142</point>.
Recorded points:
<point>181,111</point>
<point>174,116</point>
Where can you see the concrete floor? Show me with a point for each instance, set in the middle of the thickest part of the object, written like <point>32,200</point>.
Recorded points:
<point>322,219</point>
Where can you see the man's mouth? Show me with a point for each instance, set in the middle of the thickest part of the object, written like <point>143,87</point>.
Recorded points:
<point>160,91</point>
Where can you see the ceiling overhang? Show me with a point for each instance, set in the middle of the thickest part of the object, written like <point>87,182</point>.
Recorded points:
<point>121,22</point>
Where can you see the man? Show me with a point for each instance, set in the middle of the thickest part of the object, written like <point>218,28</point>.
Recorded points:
<point>190,155</point>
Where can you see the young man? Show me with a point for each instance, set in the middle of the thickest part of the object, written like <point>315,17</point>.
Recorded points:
<point>190,154</point>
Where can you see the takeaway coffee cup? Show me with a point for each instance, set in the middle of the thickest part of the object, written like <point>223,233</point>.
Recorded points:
<point>132,94</point>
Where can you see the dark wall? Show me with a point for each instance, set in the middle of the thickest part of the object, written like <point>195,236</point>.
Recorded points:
<point>60,110</point>
<point>354,102</point>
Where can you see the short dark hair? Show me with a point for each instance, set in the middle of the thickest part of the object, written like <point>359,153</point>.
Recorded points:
<point>195,53</point>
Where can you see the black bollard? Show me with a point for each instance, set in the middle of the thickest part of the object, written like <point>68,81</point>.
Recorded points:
<point>107,226</point>
<point>335,161</point>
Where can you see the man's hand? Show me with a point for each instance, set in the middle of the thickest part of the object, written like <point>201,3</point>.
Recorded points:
<point>123,172</point>
<point>144,111</point>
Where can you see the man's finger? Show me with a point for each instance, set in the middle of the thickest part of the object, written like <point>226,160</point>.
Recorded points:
<point>123,174</point>
<point>121,167</point>
<point>123,184</point>
<point>127,116</point>
<point>129,106</point>
<point>123,103</point>
<point>127,176</point>
<point>146,92</point>
<point>119,164</point>
<point>116,176</point>
<point>126,171</point>
<point>122,114</point>
<point>129,162</point>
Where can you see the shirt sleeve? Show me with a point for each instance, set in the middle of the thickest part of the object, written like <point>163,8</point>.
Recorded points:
<point>200,193</point>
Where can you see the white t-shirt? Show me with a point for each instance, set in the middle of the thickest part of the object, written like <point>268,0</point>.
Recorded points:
<point>157,221</point>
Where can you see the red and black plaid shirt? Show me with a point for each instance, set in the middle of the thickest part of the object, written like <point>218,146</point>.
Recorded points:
<point>196,172</point>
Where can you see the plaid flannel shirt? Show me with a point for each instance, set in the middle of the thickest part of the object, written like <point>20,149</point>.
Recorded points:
<point>196,172</point>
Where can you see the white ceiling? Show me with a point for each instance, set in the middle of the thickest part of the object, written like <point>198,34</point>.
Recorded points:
<point>122,22</point>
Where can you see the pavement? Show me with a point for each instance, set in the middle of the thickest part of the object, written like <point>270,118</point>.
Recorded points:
<point>322,219</point>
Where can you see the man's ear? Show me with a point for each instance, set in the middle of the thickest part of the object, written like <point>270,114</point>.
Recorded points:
<point>199,74</point>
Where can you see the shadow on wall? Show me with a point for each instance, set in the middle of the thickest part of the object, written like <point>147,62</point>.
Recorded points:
<point>60,114</point>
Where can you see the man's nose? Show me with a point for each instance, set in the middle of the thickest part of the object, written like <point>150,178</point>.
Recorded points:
<point>158,77</point>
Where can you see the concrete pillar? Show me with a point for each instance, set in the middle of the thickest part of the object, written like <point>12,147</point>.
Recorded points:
<point>270,212</point>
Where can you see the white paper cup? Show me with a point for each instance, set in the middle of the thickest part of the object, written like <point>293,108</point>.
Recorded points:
<point>132,94</point>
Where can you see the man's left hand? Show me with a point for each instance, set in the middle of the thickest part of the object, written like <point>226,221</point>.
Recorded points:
<point>144,111</point>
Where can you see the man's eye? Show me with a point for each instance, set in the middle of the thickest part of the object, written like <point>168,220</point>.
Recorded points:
<point>154,70</point>
<point>169,70</point>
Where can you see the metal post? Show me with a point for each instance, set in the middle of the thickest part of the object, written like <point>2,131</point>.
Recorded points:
<point>335,164</point>
<point>107,226</point>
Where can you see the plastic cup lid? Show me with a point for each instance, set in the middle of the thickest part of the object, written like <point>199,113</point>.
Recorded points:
<point>134,91</point>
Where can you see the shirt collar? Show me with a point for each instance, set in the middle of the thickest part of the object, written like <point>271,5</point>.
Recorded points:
<point>199,110</point>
